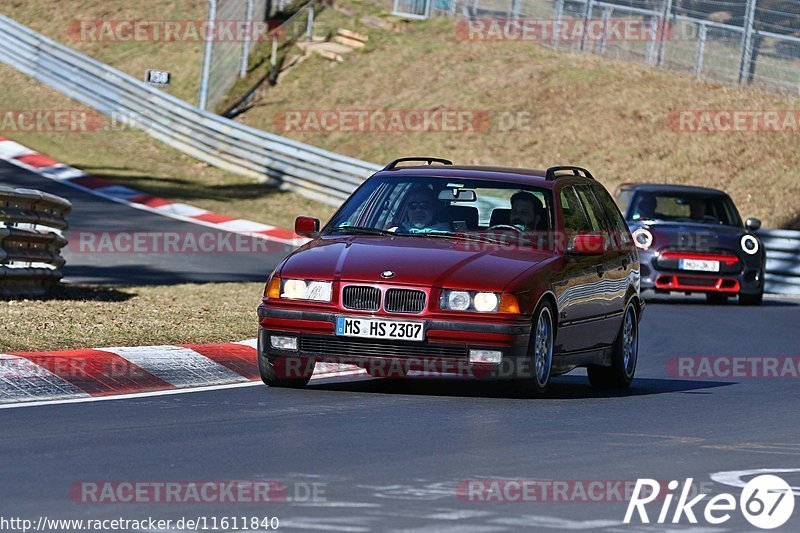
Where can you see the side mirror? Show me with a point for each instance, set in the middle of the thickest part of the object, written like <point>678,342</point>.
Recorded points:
<point>753,224</point>
<point>588,244</point>
<point>306,227</point>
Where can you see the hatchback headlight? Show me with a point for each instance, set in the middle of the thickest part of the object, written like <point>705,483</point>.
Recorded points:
<point>642,238</point>
<point>300,289</point>
<point>749,244</point>
<point>477,301</point>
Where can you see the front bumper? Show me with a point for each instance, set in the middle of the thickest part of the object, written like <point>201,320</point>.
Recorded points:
<point>445,350</point>
<point>661,274</point>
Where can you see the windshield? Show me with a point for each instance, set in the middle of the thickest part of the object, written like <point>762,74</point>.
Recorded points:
<point>684,207</point>
<point>446,207</point>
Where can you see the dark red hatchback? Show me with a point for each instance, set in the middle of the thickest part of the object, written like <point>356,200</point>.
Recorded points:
<point>492,272</point>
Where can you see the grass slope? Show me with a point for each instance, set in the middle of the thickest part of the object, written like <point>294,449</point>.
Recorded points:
<point>92,317</point>
<point>611,117</point>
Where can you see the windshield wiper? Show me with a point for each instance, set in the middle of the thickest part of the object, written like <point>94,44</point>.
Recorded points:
<point>457,236</point>
<point>362,230</point>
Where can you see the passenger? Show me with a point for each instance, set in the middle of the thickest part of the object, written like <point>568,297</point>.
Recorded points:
<point>527,212</point>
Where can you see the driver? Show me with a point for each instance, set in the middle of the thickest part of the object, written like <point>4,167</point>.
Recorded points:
<point>527,212</point>
<point>420,214</point>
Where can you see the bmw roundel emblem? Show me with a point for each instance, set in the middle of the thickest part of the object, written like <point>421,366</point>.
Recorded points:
<point>387,274</point>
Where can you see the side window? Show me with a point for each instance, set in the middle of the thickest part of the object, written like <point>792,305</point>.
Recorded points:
<point>574,217</point>
<point>593,209</point>
<point>618,224</point>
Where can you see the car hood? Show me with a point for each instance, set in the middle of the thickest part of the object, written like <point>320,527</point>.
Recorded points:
<point>414,261</point>
<point>691,235</point>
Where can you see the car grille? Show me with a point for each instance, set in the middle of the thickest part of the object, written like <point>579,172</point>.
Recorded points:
<point>361,298</point>
<point>369,348</point>
<point>404,301</point>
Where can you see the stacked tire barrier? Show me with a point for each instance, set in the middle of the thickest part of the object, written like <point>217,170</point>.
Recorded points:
<point>31,223</point>
<point>783,261</point>
<point>224,143</point>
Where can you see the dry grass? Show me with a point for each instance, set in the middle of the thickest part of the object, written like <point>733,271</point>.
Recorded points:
<point>86,317</point>
<point>608,116</point>
<point>57,20</point>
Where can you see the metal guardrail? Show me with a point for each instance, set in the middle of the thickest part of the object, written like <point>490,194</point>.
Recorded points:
<point>224,143</point>
<point>31,223</point>
<point>311,171</point>
<point>783,260</point>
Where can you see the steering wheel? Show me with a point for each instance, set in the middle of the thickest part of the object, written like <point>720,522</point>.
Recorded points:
<point>506,226</point>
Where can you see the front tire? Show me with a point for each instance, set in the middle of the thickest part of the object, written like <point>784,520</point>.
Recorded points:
<point>751,299</point>
<point>286,372</point>
<point>624,356</point>
<point>540,353</point>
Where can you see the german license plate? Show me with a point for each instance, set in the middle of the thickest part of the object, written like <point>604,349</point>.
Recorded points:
<point>372,328</point>
<point>699,264</point>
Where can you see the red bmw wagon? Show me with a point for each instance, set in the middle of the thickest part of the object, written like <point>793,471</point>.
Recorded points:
<point>513,274</point>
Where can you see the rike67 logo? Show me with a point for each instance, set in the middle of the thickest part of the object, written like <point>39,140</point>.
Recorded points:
<point>767,502</point>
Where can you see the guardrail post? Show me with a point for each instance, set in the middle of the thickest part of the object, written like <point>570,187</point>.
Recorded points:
<point>701,49</point>
<point>557,15</point>
<point>662,30</point>
<point>586,17</point>
<point>746,54</point>
<point>310,24</point>
<point>208,48</point>
<point>247,38</point>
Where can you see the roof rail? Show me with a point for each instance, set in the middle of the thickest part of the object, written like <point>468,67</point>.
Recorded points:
<point>430,161</point>
<point>576,171</point>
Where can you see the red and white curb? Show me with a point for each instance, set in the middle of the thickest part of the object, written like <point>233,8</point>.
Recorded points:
<point>109,372</point>
<point>47,167</point>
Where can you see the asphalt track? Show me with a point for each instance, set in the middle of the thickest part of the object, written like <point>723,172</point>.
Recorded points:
<point>251,259</point>
<point>392,453</point>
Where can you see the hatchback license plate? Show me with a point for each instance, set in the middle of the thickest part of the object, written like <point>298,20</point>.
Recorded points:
<point>371,328</point>
<point>698,264</point>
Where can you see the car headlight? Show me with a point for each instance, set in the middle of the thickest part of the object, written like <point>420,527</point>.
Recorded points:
<point>477,301</point>
<point>642,238</point>
<point>749,244</point>
<point>300,289</point>
<point>485,302</point>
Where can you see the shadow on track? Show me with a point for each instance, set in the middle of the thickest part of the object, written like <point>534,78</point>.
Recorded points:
<point>561,388</point>
<point>80,293</point>
<point>701,301</point>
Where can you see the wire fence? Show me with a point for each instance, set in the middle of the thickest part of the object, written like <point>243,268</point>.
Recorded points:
<point>748,42</point>
<point>225,57</point>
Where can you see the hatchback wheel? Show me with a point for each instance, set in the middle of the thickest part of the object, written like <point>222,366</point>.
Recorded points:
<point>751,299</point>
<point>623,358</point>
